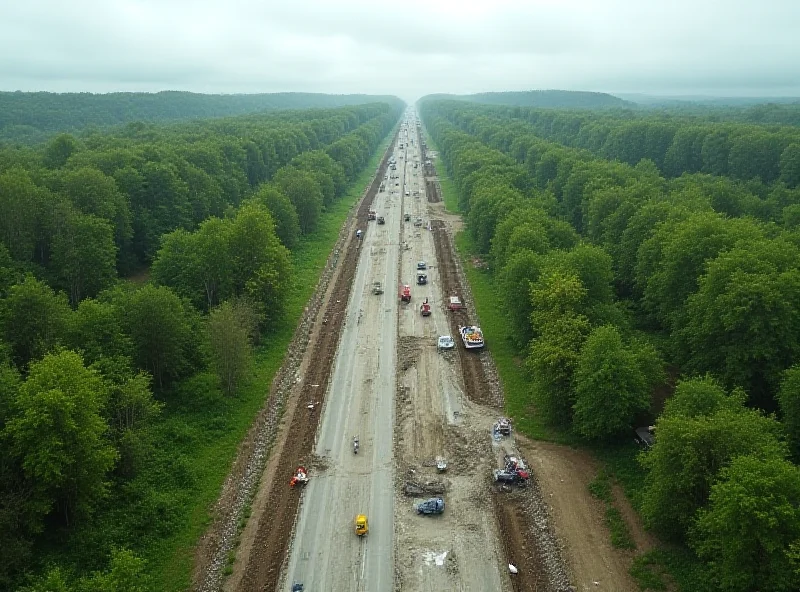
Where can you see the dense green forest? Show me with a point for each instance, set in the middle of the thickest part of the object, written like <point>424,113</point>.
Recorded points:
<point>543,99</point>
<point>28,117</point>
<point>114,389</point>
<point>638,256</point>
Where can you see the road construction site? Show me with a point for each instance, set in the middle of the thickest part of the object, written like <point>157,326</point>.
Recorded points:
<point>368,365</point>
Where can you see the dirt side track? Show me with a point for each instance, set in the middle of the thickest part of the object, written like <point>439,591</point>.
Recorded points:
<point>274,530</point>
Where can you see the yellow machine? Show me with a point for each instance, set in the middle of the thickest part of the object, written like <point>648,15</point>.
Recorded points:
<point>361,525</point>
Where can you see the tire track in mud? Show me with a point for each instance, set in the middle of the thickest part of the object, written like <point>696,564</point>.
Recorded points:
<point>472,370</point>
<point>262,570</point>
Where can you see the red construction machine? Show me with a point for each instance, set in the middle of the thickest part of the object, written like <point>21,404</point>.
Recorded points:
<point>300,476</point>
<point>405,293</point>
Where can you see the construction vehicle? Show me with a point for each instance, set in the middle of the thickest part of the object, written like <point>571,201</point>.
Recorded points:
<point>300,476</point>
<point>513,477</point>
<point>377,288</point>
<point>503,426</point>
<point>422,279</point>
<point>434,505</point>
<point>455,303</point>
<point>362,527</point>
<point>472,336</point>
<point>381,220</point>
<point>445,342</point>
<point>405,294</point>
<point>371,215</point>
<point>425,309</point>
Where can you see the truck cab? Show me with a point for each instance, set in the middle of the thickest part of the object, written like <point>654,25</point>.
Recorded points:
<point>362,527</point>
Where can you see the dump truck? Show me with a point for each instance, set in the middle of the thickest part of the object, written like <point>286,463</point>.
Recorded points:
<point>425,309</point>
<point>405,293</point>
<point>455,303</point>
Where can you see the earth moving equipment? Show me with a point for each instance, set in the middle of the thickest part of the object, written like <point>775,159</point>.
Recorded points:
<point>300,476</point>
<point>405,294</point>
<point>515,477</point>
<point>362,527</point>
<point>425,309</point>
<point>377,288</point>
<point>422,279</point>
<point>503,426</point>
<point>434,505</point>
<point>514,463</point>
<point>455,303</point>
<point>472,336</point>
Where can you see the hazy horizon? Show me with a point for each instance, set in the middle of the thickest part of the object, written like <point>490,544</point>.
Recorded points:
<point>683,48</point>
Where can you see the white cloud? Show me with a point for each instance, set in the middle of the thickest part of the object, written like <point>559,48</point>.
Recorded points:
<point>408,48</point>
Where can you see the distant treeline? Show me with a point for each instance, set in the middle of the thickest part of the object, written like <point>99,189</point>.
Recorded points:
<point>676,145</point>
<point>546,99</point>
<point>29,117</point>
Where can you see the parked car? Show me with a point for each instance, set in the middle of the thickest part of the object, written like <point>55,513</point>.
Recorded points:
<point>422,265</point>
<point>445,342</point>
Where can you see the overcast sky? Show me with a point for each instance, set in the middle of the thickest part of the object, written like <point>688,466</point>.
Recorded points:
<point>407,47</point>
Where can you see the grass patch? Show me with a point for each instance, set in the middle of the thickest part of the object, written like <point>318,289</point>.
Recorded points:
<point>620,533</point>
<point>449,192</point>
<point>600,487</point>
<point>648,572</point>
<point>622,463</point>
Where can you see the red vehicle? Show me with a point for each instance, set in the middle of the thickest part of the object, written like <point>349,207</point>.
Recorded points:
<point>425,309</point>
<point>405,294</point>
<point>300,476</point>
<point>455,303</point>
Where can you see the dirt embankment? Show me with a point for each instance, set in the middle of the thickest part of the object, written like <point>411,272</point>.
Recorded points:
<point>271,538</point>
